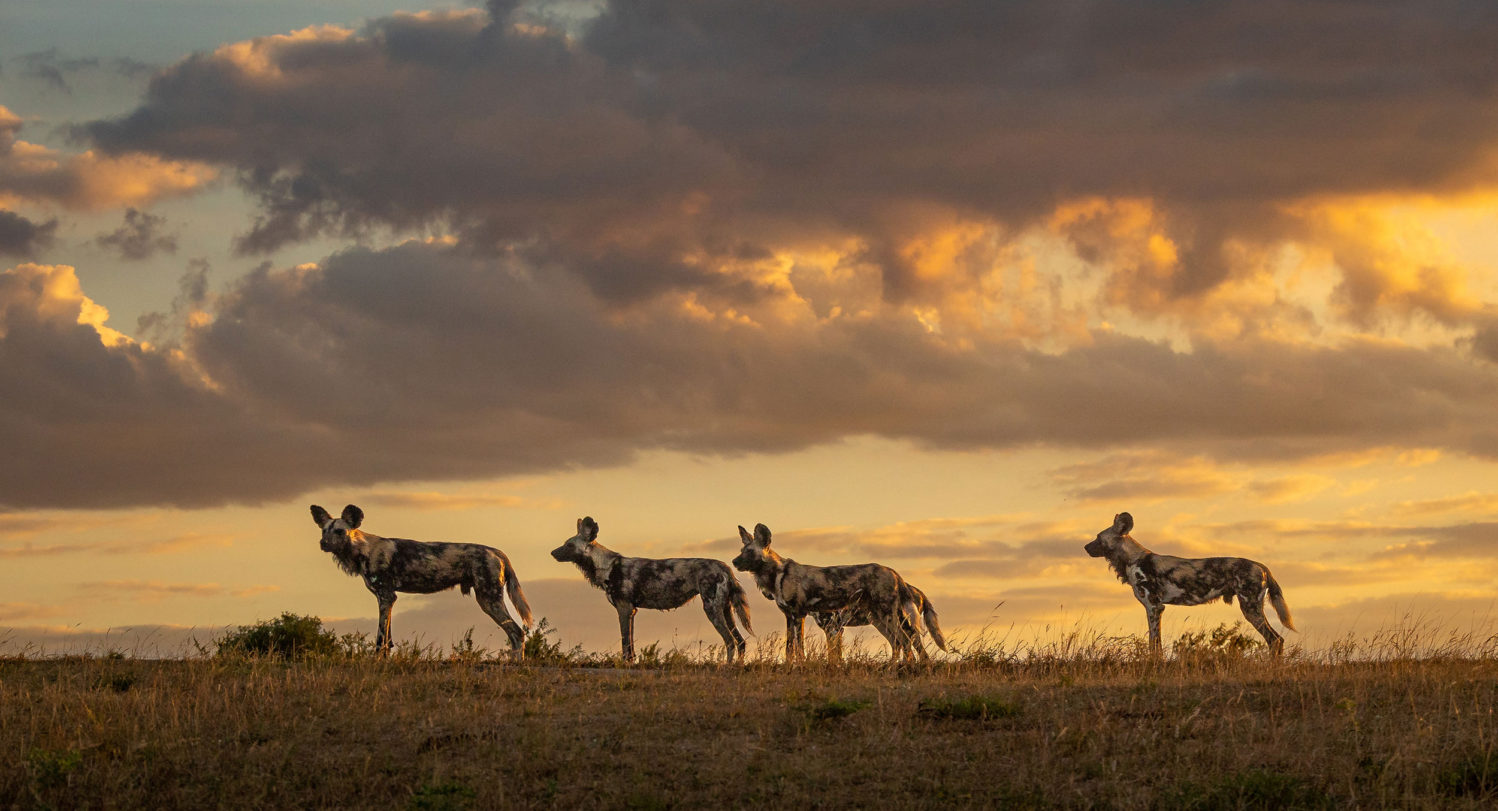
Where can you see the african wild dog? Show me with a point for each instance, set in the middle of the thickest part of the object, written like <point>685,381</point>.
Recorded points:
<point>832,623</point>
<point>389,565</point>
<point>660,583</point>
<point>1161,580</point>
<point>877,591</point>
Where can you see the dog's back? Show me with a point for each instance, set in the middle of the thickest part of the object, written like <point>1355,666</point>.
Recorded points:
<point>666,583</point>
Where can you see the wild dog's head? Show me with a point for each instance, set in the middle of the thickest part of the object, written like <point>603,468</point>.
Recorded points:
<point>756,552</point>
<point>578,548</point>
<point>1109,539</point>
<point>335,530</point>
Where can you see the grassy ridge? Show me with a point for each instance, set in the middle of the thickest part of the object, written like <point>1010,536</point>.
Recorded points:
<point>1086,726</point>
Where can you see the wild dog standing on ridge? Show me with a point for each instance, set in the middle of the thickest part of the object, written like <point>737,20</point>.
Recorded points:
<point>389,565</point>
<point>660,583</point>
<point>1161,580</point>
<point>799,590</point>
<point>832,623</point>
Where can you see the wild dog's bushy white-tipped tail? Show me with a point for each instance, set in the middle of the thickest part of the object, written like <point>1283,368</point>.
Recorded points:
<point>739,601</point>
<point>512,586</point>
<point>929,613</point>
<point>925,612</point>
<point>1277,599</point>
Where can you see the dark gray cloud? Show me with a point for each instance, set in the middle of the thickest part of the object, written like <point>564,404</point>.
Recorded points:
<point>424,362</point>
<point>141,236</point>
<point>87,422</point>
<point>676,129</point>
<point>22,237</point>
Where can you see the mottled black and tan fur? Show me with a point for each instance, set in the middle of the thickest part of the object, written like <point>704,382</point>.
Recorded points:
<point>875,590</point>
<point>832,623</point>
<point>390,565</point>
<point>660,583</point>
<point>1161,580</point>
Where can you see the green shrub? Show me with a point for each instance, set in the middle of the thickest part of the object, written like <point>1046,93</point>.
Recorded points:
<point>540,648</point>
<point>288,636</point>
<point>1225,643</point>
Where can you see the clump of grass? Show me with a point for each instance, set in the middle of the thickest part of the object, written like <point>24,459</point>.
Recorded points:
<point>449,795</point>
<point>1475,776</point>
<point>1252,789</point>
<point>832,709</point>
<point>50,768</point>
<point>967,708</point>
<point>118,682</point>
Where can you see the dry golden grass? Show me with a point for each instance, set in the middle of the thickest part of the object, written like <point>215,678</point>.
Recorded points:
<point>1396,721</point>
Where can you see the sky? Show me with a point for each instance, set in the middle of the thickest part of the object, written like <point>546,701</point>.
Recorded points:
<point>943,285</point>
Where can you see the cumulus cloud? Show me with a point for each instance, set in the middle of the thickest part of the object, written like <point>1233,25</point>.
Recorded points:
<point>31,173</point>
<point>668,140</point>
<point>92,418</point>
<point>22,237</point>
<point>426,362</point>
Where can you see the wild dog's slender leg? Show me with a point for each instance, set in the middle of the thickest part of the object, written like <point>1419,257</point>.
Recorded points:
<point>915,638</point>
<point>718,613</point>
<point>382,635</point>
<point>738,639</point>
<point>910,631</point>
<point>1252,606</point>
<point>1152,612</point>
<point>888,625</point>
<point>831,623</point>
<point>794,630</point>
<point>493,604</point>
<point>627,629</point>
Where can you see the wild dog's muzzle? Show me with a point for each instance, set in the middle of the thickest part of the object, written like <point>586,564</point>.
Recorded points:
<point>1095,549</point>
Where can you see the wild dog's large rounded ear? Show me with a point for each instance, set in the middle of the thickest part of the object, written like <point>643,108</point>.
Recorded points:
<point>587,529</point>
<point>762,535</point>
<point>1124,523</point>
<point>353,516</point>
<point>320,515</point>
<point>745,536</point>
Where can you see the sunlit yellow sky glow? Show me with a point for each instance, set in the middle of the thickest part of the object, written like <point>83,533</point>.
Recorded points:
<point>939,285</point>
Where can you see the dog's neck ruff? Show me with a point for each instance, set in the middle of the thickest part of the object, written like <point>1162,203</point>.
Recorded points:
<point>351,552</point>
<point>770,575</point>
<point>780,587</point>
<point>598,565</point>
<point>1123,558</point>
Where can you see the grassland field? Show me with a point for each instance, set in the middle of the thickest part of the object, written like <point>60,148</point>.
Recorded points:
<point>1087,722</point>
